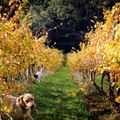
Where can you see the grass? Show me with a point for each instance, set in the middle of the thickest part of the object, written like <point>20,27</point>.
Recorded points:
<point>105,82</point>
<point>58,98</point>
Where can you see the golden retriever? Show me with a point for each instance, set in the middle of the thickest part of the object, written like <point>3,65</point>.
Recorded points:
<point>19,107</point>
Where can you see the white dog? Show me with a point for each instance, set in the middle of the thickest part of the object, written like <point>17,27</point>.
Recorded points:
<point>39,75</point>
<point>19,107</point>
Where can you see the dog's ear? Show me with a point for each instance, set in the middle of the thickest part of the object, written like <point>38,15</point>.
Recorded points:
<point>20,99</point>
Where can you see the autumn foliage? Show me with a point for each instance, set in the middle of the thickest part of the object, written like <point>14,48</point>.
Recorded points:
<point>102,52</point>
<point>21,54</point>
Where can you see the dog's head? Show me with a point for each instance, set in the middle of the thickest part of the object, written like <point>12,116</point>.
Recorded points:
<point>26,101</point>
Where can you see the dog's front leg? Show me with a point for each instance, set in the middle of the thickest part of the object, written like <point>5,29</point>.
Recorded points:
<point>30,118</point>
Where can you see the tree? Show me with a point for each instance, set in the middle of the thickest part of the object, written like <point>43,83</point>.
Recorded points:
<point>63,15</point>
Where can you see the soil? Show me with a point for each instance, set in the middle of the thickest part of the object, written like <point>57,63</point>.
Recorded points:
<point>100,107</point>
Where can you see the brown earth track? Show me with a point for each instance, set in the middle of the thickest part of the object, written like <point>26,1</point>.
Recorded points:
<point>100,107</point>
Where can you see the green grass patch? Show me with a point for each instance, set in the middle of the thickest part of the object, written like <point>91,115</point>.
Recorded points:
<point>105,82</point>
<point>58,98</point>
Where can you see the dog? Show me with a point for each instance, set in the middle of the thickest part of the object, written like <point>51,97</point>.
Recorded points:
<point>19,107</point>
<point>39,75</point>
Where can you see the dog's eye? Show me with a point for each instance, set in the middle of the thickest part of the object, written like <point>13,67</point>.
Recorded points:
<point>27,101</point>
<point>31,99</point>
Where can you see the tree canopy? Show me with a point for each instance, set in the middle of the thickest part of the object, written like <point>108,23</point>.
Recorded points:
<point>66,18</point>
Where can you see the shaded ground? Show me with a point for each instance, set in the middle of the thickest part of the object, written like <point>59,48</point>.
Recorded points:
<point>101,108</point>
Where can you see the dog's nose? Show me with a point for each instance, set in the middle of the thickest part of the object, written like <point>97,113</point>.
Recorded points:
<point>32,106</point>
